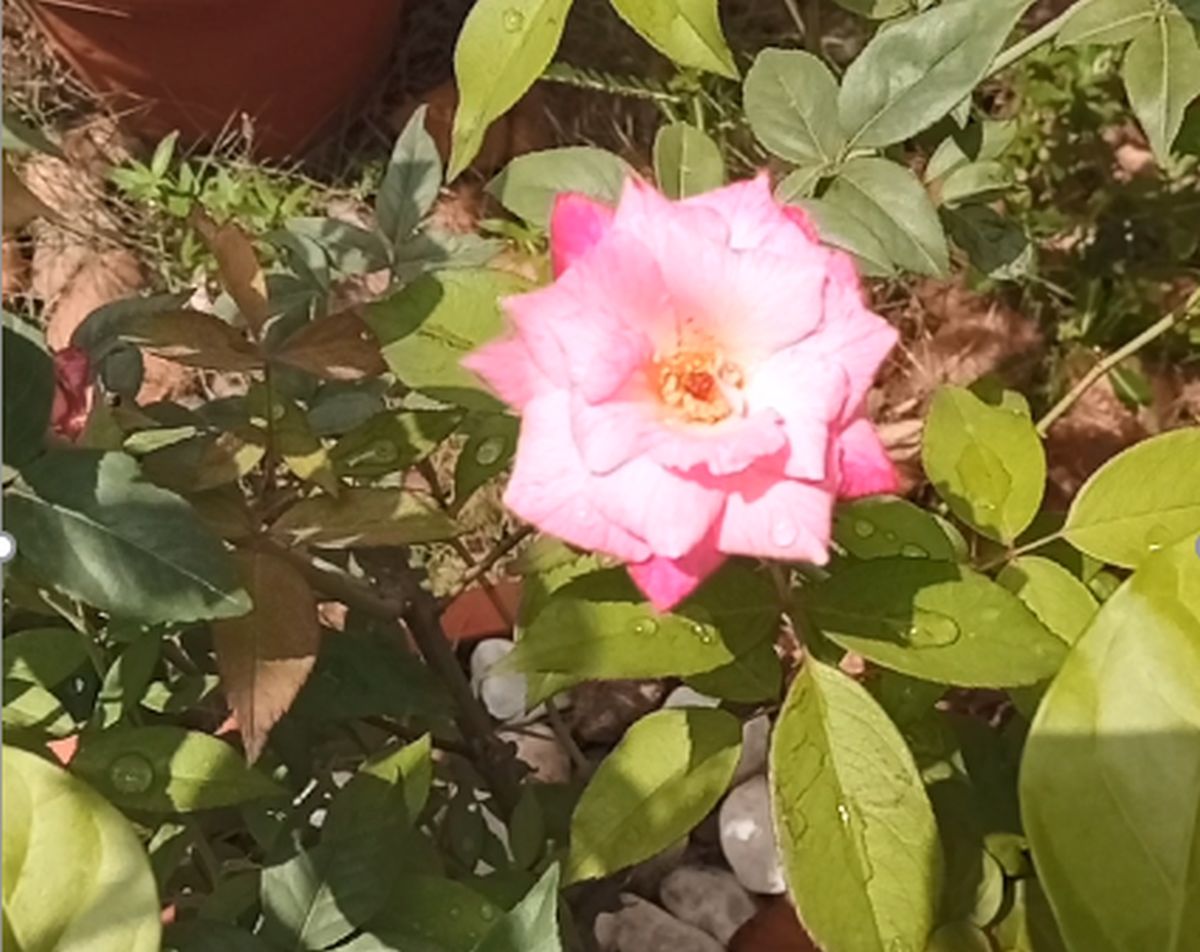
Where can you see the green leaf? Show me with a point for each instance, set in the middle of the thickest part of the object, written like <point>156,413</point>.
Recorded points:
<point>935,620</point>
<point>688,31</point>
<point>207,935</point>
<point>882,526</point>
<point>979,142</point>
<point>487,453</point>
<point>986,461</point>
<point>28,391</point>
<point>31,711</point>
<point>503,47</point>
<point>428,914</point>
<point>90,523</point>
<point>1109,22</point>
<point>800,184</point>
<point>977,181</point>
<point>1061,602</point>
<point>532,925</point>
<point>1143,500</point>
<point>529,183</point>
<point>428,327</point>
<point>412,181</point>
<point>392,441</point>
<point>790,98</point>
<point>76,878</point>
<point>876,9</point>
<point>19,136</point>
<point>912,74</point>
<point>1161,72</point>
<point>600,626</point>
<point>855,829</point>
<point>168,769</point>
<point>298,913</point>
<point>958,937</point>
<point>888,200</point>
<point>996,246</point>
<point>44,656</point>
<point>1029,925</point>
<point>668,771</point>
<point>352,250</point>
<point>841,228</point>
<point>686,161</point>
<point>364,517</point>
<point>1112,768</point>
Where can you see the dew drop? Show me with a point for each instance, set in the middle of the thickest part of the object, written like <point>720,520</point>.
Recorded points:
<point>385,451</point>
<point>513,20</point>
<point>890,536</point>
<point>487,914</point>
<point>783,532</point>
<point>455,912</point>
<point>489,451</point>
<point>932,629</point>
<point>131,773</point>
<point>645,626</point>
<point>864,529</point>
<point>278,412</point>
<point>844,814</point>
<point>1158,536</point>
<point>912,551</point>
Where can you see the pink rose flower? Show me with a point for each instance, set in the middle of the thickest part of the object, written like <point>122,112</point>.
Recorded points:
<point>692,385</point>
<point>72,393</point>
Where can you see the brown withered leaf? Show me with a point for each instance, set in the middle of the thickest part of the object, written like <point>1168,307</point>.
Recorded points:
<point>266,656</point>
<point>192,338</point>
<point>338,347</point>
<point>241,274</point>
<point>775,927</point>
<point>21,206</point>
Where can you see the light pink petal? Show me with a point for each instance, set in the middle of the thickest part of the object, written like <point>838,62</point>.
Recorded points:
<point>551,489</point>
<point>850,334</point>
<point>755,219</point>
<point>667,582</point>
<point>611,433</point>
<point>809,394</point>
<point>670,511</point>
<point>770,516</point>
<point>647,215</point>
<point>864,463</point>
<point>508,368</point>
<point>577,223</point>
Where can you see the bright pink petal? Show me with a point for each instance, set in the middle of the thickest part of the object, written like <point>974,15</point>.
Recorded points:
<point>577,223</point>
<point>508,368</point>
<point>670,511</point>
<point>864,463</point>
<point>667,582</point>
<point>551,489</point>
<point>770,516</point>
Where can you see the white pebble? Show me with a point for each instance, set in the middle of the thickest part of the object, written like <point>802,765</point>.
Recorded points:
<point>748,838</point>
<point>709,898</point>
<point>756,738</point>
<point>503,694</point>
<point>684,696</point>
<point>644,927</point>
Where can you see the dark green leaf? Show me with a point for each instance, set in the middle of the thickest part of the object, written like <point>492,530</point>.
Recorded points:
<point>390,441</point>
<point>856,832</point>
<point>412,181</point>
<point>790,99</point>
<point>428,914</point>
<point>487,453</point>
<point>298,913</point>
<point>89,522</point>
<point>881,526</point>
<point>351,249</point>
<point>912,74</point>
<point>205,935</point>
<point>996,245</point>
<point>44,656</point>
<point>935,620</point>
<point>28,391</point>
<point>841,228</point>
<point>364,517</point>
<point>532,925</point>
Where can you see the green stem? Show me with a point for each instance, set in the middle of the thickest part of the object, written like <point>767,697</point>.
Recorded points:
<point>1039,37</point>
<point>1020,550</point>
<point>794,13</point>
<point>1151,333</point>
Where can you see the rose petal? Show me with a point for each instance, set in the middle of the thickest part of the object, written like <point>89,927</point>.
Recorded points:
<point>863,461</point>
<point>577,223</point>
<point>667,582</point>
<point>506,366</point>
<point>770,516</point>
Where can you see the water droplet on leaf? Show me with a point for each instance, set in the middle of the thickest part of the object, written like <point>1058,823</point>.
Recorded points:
<point>131,773</point>
<point>913,551</point>
<point>385,451</point>
<point>513,20</point>
<point>645,626</point>
<point>932,629</point>
<point>489,451</point>
<point>1158,536</point>
<point>864,529</point>
<point>843,813</point>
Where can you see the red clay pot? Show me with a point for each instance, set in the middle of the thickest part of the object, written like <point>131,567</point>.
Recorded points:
<point>293,66</point>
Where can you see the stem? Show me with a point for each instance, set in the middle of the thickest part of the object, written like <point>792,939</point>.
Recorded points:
<point>1039,37</point>
<point>812,26</point>
<point>481,568</point>
<point>1151,333</point>
<point>1020,550</point>
<point>794,12</point>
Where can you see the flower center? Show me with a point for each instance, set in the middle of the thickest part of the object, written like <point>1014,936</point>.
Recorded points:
<point>699,386</point>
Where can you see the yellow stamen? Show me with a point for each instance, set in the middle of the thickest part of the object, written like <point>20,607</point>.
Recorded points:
<point>696,385</point>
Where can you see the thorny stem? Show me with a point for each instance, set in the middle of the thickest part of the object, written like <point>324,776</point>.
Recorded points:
<point>1151,333</point>
<point>1039,37</point>
<point>418,609</point>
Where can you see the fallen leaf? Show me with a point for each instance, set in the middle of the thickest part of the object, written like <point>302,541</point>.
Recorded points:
<point>14,267</point>
<point>75,280</point>
<point>21,206</point>
<point>266,656</point>
<point>338,347</point>
<point>241,274</point>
